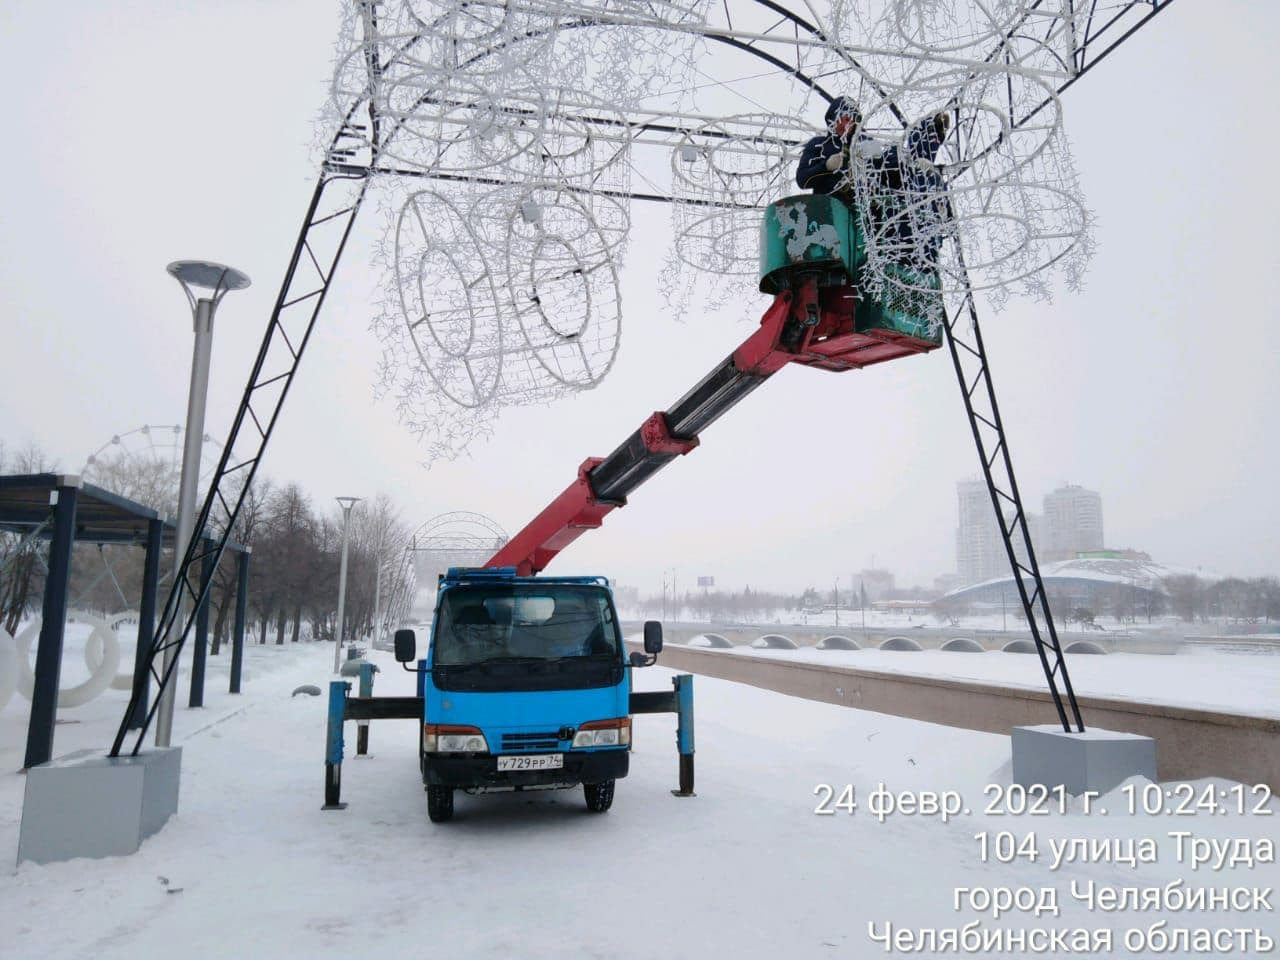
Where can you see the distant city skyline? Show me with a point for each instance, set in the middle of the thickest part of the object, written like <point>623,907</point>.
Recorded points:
<point>1071,522</point>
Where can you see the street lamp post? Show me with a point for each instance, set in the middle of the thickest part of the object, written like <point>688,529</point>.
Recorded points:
<point>377,601</point>
<point>346,503</point>
<point>377,589</point>
<point>862,604</point>
<point>220,279</point>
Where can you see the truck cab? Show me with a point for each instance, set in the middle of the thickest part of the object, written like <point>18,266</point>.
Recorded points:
<point>525,686</point>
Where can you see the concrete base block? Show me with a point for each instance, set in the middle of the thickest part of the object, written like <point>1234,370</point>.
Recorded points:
<point>89,805</point>
<point>1096,760</point>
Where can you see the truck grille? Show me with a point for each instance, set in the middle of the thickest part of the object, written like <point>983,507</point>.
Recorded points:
<point>512,742</point>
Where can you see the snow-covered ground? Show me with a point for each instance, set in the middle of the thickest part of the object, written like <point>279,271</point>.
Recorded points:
<point>251,867</point>
<point>1213,680</point>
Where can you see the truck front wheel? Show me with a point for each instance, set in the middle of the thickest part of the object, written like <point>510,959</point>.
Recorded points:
<point>439,803</point>
<point>599,795</point>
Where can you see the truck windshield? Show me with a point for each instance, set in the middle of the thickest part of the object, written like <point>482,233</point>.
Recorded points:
<point>484,623</point>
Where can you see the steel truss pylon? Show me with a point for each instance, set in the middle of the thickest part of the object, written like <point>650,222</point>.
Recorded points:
<point>326,227</point>
<point>974,375</point>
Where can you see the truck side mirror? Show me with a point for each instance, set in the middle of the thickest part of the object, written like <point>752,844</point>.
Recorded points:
<point>638,659</point>
<point>406,646</point>
<point>652,637</point>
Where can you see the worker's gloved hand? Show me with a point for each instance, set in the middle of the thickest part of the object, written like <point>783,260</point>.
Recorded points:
<point>835,162</point>
<point>941,125</point>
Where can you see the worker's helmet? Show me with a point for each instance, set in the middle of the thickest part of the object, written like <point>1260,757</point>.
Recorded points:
<point>843,107</point>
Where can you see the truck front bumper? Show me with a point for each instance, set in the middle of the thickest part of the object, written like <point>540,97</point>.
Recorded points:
<point>594,766</point>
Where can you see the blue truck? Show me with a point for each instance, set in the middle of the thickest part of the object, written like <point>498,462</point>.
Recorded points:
<point>526,685</point>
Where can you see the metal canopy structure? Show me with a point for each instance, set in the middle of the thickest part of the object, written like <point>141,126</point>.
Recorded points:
<point>65,510</point>
<point>101,516</point>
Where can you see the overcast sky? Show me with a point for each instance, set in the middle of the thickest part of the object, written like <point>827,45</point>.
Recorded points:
<point>144,132</point>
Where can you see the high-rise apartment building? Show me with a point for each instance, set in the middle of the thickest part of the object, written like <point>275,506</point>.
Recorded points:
<point>1072,523</point>
<point>980,552</point>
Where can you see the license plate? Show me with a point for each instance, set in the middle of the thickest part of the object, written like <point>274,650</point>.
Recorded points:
<point>537,761</point>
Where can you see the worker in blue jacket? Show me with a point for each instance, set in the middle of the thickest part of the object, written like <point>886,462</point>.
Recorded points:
<point>825,161</point>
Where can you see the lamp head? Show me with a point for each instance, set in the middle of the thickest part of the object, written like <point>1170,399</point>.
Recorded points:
<point>208,275</point>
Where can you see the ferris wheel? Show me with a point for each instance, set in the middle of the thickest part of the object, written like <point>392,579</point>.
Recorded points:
<point>145,464</point>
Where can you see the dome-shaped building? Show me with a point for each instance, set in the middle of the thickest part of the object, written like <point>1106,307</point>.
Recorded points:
<point>1104,582</point>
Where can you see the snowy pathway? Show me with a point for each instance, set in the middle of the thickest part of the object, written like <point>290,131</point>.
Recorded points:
<point>251,867</point>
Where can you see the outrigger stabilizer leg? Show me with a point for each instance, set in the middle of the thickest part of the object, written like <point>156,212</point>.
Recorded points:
<point>362,709</point>
<point>366,691</point>
<point>680,702</point>
<point>338,690</point>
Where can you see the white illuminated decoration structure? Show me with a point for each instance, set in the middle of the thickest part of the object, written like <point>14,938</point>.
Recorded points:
<point>510,140</point>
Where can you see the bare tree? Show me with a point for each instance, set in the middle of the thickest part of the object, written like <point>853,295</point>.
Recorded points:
<point>146,480</point>
<point>1233,599</point>
<point>1269,597</point>
<point>378,538</point>
<point>21,563</point>
<point>292,534</point>
<point>249,522</point>
<point>1186,595</point>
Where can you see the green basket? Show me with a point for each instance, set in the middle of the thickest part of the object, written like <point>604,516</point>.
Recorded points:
<point>819,233</point>
<point>811,231</point>
<point>912,305</point>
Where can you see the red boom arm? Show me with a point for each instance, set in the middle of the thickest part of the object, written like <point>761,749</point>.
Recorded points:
<point>812,326</point>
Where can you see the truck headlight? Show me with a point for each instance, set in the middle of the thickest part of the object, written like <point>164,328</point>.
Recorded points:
<point>604,733</point>
<point>452,738</point>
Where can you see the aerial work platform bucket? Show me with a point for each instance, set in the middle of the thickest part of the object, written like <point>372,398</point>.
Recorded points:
<point>816,235</point>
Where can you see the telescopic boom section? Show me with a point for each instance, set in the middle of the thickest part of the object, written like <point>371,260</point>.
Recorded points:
<point>810,325</point>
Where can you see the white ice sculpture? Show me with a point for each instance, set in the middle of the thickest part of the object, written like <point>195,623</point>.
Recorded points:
<point>95,648</point>
<point>102,639</point>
